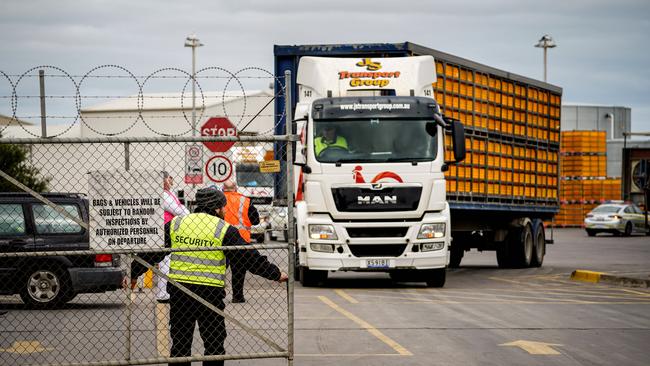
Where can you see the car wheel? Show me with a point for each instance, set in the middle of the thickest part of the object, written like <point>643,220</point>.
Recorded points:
<point>591,232</point>
<point>628,229</point>
<point>46,287</point>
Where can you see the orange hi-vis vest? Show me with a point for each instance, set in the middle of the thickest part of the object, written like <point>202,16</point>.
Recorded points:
<point>237,213</point>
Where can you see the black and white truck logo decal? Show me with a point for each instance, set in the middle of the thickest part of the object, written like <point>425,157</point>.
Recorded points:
<point>377,200</point>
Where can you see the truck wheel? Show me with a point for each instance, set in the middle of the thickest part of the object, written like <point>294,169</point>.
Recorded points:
<point>436,277</point>
<point>46,288</point>
<point>311,278</point>
<point>503,254</point>
<point>628,229</point>
<point>521,243</point>
<point>455,256</point>
<point>591,232</point>
<point>539,244</point>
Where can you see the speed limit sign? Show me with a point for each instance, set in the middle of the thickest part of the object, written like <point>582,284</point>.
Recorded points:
<point>218,168</point>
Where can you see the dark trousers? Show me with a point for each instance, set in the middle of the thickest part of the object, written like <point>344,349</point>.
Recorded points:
<point>238,279</point>
<point>184,312</point>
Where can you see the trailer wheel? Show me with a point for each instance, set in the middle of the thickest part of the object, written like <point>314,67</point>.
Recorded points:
<point>455,256</point>
<point>539,241</point>
<point>311,278</point>
<point>521,243</point>
<point>436,277</point>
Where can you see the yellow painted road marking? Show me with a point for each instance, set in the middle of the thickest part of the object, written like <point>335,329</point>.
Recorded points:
<point>162,330</point>
<point>347,354</point>
<point>534,348</point>
<point>345,295</point>
<point>367,326</point>
<point>26,347</point>
<point>644,294</point>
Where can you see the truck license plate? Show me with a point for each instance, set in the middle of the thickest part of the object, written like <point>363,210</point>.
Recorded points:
<point>377,263</point>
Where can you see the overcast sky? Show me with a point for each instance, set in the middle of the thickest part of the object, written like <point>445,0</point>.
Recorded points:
<point>603,53</point>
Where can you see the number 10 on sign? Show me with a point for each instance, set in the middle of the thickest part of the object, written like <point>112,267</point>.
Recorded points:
<point>218,168</point>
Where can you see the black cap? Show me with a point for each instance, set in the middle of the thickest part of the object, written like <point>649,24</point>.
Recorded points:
<point>210,199</point>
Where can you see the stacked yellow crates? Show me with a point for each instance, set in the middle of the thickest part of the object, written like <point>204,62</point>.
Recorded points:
<point>512,137</point>
<point>583,184</point>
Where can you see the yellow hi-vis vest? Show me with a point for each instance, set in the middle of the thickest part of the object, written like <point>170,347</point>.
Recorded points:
<point>201,268</point>
<point>320,145</point>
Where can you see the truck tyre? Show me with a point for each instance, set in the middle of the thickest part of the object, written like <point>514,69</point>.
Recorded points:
<point>436,277</point>
<point>456,254</point>
<point>591,232</point>
<point>503,254</point>
<point>520,245</point>
<point>539,243</point>
<point>311,278</point>
<point>46,287</point>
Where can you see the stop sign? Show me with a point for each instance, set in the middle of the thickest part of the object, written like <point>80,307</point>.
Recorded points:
<point>218,126</point>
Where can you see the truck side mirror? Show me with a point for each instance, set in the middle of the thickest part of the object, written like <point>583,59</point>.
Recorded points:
<point>458,138</point>
<point>300,146</point>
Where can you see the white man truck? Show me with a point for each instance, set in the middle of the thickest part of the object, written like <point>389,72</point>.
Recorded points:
<point>380,180</point>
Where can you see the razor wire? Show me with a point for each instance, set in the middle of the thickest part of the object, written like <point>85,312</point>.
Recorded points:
<point>141,107</point>
<point>52,321</point>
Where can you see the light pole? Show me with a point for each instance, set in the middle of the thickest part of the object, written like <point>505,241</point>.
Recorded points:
<point>545,42</point>
<point>193,42</point>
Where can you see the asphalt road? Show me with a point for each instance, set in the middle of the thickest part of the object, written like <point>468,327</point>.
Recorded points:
<point>483,316</point>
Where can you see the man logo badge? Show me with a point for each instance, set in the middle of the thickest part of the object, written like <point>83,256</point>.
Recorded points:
<point>377,200</point>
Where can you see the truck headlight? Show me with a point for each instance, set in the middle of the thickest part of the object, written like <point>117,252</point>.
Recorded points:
<point>326,248</point>
<point>322,232</point>
<point>428,247</point>
<point>431,231</point>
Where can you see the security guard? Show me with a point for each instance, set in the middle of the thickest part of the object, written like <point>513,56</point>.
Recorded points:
<point>329,139</point>
<point>242,214</point>
<point>203,273</point>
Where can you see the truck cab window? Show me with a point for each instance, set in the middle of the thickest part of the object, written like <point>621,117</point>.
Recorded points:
<point>373,140</point>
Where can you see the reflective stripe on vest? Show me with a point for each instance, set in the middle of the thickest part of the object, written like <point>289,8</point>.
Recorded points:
<point>239,217</point>
<point>320,145</point>
<point>202,268</point>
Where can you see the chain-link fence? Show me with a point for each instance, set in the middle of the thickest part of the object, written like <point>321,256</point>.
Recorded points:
<point>83,267</point>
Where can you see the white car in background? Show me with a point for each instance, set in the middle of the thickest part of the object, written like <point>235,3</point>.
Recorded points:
<point>616,217</point>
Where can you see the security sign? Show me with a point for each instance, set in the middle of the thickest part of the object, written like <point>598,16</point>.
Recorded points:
<point>193,164</point>
<point>218,168</point>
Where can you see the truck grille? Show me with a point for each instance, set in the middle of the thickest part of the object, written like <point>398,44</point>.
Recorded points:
<point>375,250</point>
<point>359,199</point>
<point>377,232</point>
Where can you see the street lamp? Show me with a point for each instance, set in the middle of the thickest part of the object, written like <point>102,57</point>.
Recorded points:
<point>545,42</point>
<point>193,42</point>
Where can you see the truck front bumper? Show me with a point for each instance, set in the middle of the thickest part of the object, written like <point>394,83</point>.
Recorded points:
<point>363,252</point>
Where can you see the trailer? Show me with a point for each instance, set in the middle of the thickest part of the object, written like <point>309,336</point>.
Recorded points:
<point>506,187</point>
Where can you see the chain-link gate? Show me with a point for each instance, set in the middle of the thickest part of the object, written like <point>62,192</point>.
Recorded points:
<point>82,269</point>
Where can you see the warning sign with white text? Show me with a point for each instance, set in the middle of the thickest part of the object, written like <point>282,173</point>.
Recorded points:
<point>125,210</point>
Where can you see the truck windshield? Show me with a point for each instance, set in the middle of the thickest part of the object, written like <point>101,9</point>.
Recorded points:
<point>373,140</point>
<point>249,175</point>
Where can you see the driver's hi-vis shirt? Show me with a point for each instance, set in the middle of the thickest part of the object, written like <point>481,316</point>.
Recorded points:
<point>320,144</point>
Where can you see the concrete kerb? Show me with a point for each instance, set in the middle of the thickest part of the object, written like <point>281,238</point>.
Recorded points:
<point>602,277</point>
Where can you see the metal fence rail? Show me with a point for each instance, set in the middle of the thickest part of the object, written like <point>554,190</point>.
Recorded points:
<point>57,305</point>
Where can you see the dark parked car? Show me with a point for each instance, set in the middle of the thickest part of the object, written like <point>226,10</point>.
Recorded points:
<point>28,225</point>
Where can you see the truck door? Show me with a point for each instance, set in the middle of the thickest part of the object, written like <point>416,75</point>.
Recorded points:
<point>15,235</point>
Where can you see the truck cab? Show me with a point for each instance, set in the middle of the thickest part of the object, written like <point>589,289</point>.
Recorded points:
<point>370,184</point>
